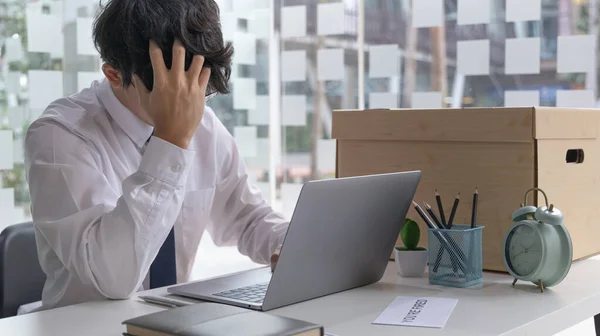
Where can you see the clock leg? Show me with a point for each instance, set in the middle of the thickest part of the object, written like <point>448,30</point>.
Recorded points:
<point>514,282</point>
<point>541,285</point>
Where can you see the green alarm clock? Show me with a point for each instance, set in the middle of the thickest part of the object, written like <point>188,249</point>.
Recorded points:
<point>538,247</point>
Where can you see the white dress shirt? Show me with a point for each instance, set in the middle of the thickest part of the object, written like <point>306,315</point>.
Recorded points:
<point>103,201</point>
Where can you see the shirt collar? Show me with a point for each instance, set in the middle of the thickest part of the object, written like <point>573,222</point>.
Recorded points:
<point>133,126</point>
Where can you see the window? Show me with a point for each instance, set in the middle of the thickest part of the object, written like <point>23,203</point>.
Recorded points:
<point>298,60</point>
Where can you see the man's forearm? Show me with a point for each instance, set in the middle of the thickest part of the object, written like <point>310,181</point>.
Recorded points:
<point>113,246</point>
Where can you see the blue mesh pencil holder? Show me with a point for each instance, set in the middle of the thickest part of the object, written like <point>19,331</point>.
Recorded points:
<point>455,256</point>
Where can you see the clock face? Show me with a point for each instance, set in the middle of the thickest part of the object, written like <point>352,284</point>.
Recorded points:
<point>523,250</point>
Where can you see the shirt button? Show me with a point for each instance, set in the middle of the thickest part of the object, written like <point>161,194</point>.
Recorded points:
<point>176,168</point>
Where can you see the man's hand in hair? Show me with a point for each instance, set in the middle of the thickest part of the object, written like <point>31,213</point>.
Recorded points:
<point>176,103</point>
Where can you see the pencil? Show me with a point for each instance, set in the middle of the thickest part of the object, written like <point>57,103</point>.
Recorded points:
<point>438,199</point>
<point>453,213</point>
<point>474,209</point>
<point>435,218</point>
<point>451,247</point>
<point>424,216</point>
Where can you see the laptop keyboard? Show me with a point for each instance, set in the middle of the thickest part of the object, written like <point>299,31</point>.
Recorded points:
<point>254,293</point>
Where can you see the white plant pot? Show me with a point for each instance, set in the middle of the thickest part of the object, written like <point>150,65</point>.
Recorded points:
<point>411,263</point>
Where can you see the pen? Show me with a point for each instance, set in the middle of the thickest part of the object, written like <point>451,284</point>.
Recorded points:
<point>474,210</point>
<point>453,213</point>
<point>163,301</point>
<point>438,199</point>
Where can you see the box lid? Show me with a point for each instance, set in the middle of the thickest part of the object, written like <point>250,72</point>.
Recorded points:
<point>466,124</point>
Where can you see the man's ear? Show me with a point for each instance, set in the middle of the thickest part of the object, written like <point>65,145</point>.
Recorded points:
<point>113,75</point>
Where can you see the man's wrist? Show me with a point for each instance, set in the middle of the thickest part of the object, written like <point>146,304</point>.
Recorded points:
<point>167,162</point>
<point>179,141</point>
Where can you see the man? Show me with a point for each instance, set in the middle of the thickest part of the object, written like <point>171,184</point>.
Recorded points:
<point>125,176</point>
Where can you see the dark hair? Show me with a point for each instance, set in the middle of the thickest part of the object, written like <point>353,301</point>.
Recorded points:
<point>123,30</point>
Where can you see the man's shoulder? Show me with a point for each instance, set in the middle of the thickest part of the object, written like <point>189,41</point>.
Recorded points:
<point>75,115</point>
<point>72,110</point>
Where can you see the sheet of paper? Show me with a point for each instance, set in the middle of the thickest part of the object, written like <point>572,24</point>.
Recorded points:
<point>293,66</point>
<point>7,150</point>
<point>85,79</point>
<point>523,10</point>
<point>326,150</point>
<point>525,98</point>
<point>44,88</point>
<point>330,64</point>
<point>427,100</point>
<point>576,54</point>
<point>384,61</point>
<point>45,33</point>
<point>245,139</point>
<point>427,312</point>
<point>386,100</point>
<point>85,43</point>
<point>575,98</point>
<point>293,21</point>
<point>244,93</point>
<point>260,115</point>
<point>522,56</point>
<point>427,13</point>
<point>473,57</point>
<point>474,11</point>
<point>330,18</point>
<point>260,23</point>
<point>293,110</point>
<point>245,48</point>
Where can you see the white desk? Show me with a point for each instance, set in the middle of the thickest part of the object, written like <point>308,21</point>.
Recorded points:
<point>494,309</point>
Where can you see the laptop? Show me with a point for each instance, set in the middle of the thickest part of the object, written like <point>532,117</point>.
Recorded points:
<point>340,237</point>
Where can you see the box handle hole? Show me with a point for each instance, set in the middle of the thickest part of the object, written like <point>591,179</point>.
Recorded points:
<point>575,156</point>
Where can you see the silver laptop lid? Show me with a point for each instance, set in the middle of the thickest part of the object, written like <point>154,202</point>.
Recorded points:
<point>341,236</point>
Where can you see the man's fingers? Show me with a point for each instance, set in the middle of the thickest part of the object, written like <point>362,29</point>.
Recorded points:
<point>178,64</point>
<point>158,62</point>
<point>196,67</point>
<point>203,79</point>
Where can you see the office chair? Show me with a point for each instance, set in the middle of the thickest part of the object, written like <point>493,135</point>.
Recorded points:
<point>21,277</point>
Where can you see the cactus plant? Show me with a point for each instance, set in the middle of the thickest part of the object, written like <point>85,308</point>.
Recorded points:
<point>410,234</point>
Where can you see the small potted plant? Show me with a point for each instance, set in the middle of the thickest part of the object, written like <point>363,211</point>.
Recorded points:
<point>411,259</point>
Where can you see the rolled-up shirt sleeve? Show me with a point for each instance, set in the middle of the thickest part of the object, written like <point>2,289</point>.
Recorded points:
<point>107,237</point>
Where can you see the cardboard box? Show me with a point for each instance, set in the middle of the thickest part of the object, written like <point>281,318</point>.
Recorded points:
<point>501,151</point>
